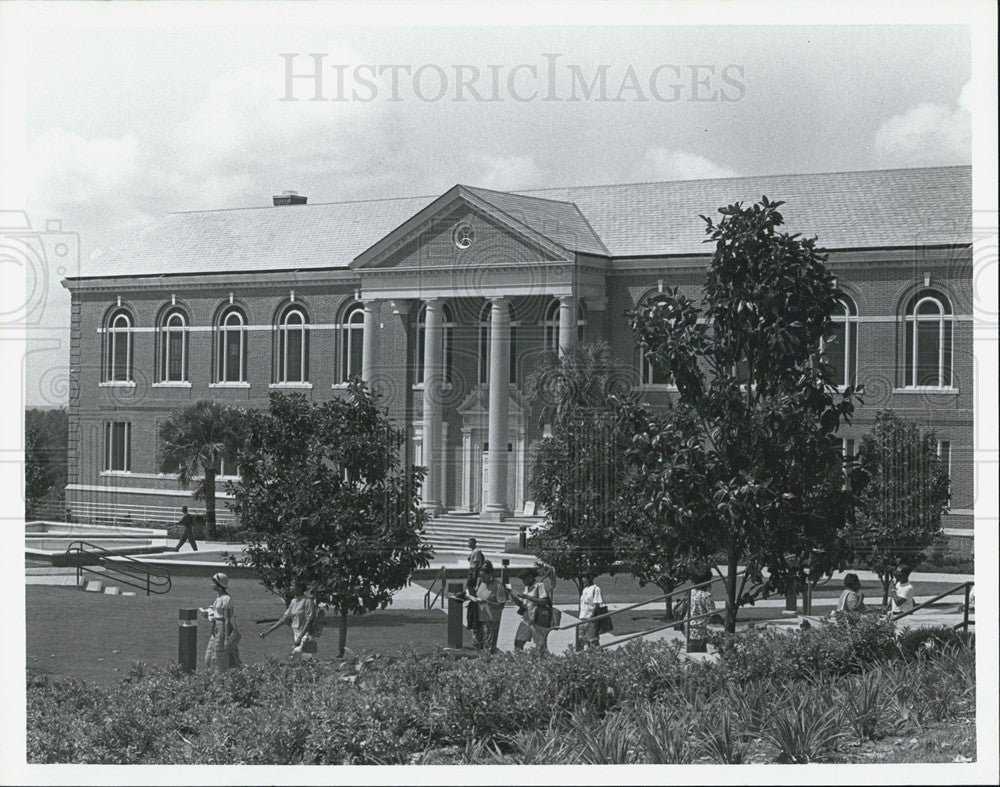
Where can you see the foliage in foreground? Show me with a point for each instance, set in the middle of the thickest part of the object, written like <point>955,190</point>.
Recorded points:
<point>633,705</point>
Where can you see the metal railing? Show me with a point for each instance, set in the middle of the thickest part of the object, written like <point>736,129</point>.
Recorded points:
<point>442,577</point>
<point>966,621</point>
<point>685,622</point>
<point>124,569</point>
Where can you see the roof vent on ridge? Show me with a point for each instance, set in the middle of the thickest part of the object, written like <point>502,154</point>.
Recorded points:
<point>289,198</point>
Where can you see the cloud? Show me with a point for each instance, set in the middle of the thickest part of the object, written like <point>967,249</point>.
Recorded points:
<point>506,172</point>
<point>667,164</point>
<point>927,135</point>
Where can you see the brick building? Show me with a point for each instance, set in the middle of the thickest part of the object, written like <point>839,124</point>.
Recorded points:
<point>469,290</point>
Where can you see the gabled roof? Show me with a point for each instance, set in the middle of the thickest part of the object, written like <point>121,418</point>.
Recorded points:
<point>871,209</point>
<point>559,220</point>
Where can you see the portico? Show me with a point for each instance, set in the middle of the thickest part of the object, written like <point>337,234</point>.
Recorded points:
<point>474,255</point>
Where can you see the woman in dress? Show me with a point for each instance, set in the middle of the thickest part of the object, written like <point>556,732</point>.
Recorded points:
<point>534,597</point>
<point>491,595</point>
<point>590,598</point>
<point>223,645</point>
<point>702,604</point>
<point>300,615</point>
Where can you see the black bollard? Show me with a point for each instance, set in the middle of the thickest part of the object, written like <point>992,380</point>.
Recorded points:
<point>187,640</point>
<point>504,571</point>
<point>522,537</point>
<point>455,615</point>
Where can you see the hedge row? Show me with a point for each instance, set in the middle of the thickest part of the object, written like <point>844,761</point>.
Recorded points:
<point>395,711</point>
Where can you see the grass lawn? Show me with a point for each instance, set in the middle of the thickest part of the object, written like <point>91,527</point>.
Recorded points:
<point>97,637</point>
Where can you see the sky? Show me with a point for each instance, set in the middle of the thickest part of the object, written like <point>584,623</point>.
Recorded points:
<point>124,123</point>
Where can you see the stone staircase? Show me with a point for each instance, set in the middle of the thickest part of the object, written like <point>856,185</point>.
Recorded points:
<point>451,533</point>
<point>66,577</point>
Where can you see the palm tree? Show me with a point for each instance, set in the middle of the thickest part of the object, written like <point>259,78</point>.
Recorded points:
<point>192,443</point>
<point>586,378</point>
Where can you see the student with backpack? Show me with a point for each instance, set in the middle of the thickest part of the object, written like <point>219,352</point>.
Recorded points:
<point>306,621</point>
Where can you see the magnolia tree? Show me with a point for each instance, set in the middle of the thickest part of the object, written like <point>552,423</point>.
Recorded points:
<point>579,471</point>
<point>748,456</point>
<point>899,511</point>
<point>326,500</point>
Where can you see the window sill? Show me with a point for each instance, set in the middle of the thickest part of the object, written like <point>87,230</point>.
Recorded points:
<point>291,386</point>
<point>117,384</point>
<point>655,387</point>
<point>926,389</point>
<point>444,386</point>
<point>173,384</point>
<point>229,385</point>
<point>116,473</point>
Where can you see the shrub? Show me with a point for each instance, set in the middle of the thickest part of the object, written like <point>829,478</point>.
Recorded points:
<point>914,643</point>
<point>842,647</point>
<point>805,729</point>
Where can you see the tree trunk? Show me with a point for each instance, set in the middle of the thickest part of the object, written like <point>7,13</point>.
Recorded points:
<point>210,502</point>
<point>342,634</point>
<point>731,591</point>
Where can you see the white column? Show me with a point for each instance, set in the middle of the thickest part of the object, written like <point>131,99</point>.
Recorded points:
<point>567,323</point>
<point>433,378</point>
<point>495,507</point>
<point>369,353</point>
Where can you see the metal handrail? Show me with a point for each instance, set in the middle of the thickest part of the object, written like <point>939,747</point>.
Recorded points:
<point>647,602</point>
<point>685,622</point>
<point>125,573</point>
<point>440,575</point>
<point>966,586</point>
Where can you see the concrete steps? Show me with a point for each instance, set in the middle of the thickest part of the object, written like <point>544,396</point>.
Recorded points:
<point>451,532</point>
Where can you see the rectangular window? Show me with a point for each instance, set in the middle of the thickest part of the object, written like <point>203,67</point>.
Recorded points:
<point>232,356</point>
<point>847,445</point>
<point>834,352</point>
<point>117,446</point>
<point>357,339</point>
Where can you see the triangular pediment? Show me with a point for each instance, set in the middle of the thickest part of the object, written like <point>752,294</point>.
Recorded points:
<point>462,228</point>
<point>477,403</point>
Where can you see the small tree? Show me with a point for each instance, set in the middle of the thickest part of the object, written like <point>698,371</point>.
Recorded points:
<point>45,456</point>
<point>193,442</point>
<point>579,471</point>
<point>899,511</point>
<point>325,500</point>
<point>756,407</point>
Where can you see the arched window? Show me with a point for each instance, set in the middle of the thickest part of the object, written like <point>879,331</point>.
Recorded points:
<point>484,344</point>
<point>172,338</point>
<point>649,372</point>
<point>118,347</point>
<point>447,324</point>
<point>927,351</point>
<point>551,323</point>
<point>841,350</point>
<point>293,346</point>
<point>231,351</point>
<point>352,340</point>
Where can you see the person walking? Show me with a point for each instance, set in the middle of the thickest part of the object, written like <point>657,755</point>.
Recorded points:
<point>476,560</point>
<point>491,595</point>
<point>590,599</point>
<point>852,600</point>
<point>901,590</point>
<point>301,617</point>
<point>537,605</point>
<point>702,604</point>
<point>187,523</point>
<point>223,650</point>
